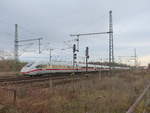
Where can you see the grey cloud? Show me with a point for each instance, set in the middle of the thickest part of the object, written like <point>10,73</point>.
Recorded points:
<point>56,19</point>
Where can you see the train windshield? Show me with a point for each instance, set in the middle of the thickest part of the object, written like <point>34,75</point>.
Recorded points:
<point>29,65</point>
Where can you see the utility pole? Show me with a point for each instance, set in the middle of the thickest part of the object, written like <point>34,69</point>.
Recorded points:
<point>16,44</point>
<point>39,45</point>
<point>87,57</point>
<point>111,45</point>
<point>50,55</point>
<point>135,58</point>
<point>100,71</point>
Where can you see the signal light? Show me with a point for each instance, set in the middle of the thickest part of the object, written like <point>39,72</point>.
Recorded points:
<point>87,52</point>
<point>75,56</point>
<point>74,48</point>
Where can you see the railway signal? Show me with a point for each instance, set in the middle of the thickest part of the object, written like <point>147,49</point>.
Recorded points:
<point>74,48</point>
<point>74,55</point>
<point>87,52</point>
<point>87,57</point>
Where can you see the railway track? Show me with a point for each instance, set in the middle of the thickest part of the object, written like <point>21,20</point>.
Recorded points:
<point>134,106</point>
<point>18,78</point>
<point>26,79</point>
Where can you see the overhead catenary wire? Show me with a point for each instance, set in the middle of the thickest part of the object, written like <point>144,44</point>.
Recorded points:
<point>16,36</point>
<point>111,45</point>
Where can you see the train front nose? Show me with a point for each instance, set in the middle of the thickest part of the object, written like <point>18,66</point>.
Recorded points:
<point>27,68</point>
<point>24,71</point>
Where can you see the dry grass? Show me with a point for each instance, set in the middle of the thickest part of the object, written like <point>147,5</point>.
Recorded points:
<point>107,95</point>
<point>10,66</point>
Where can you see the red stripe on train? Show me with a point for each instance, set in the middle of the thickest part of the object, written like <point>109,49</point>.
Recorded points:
<point>36,70</point>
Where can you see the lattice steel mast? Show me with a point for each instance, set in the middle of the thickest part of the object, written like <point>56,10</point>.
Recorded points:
<point>111,45</point>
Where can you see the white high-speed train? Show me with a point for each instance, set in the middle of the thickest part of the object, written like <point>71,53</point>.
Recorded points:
<point>39,68</point>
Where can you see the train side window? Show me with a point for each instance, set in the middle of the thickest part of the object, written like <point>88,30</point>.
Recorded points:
<point>38,66</point>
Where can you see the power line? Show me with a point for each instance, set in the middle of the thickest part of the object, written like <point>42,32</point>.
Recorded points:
<point>110,32</point>
<point>16,44</point>
<point>30,32</point>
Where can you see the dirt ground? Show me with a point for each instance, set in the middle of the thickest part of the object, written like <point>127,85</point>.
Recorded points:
<point>7,74</point>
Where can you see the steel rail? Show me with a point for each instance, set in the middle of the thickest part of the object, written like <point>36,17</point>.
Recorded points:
<point>138,100</point>
<point>52,76</point>
<point>22,78</point>
<point>58,80</point>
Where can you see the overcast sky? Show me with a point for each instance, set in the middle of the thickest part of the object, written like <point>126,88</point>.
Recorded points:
<point>55,20</point>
